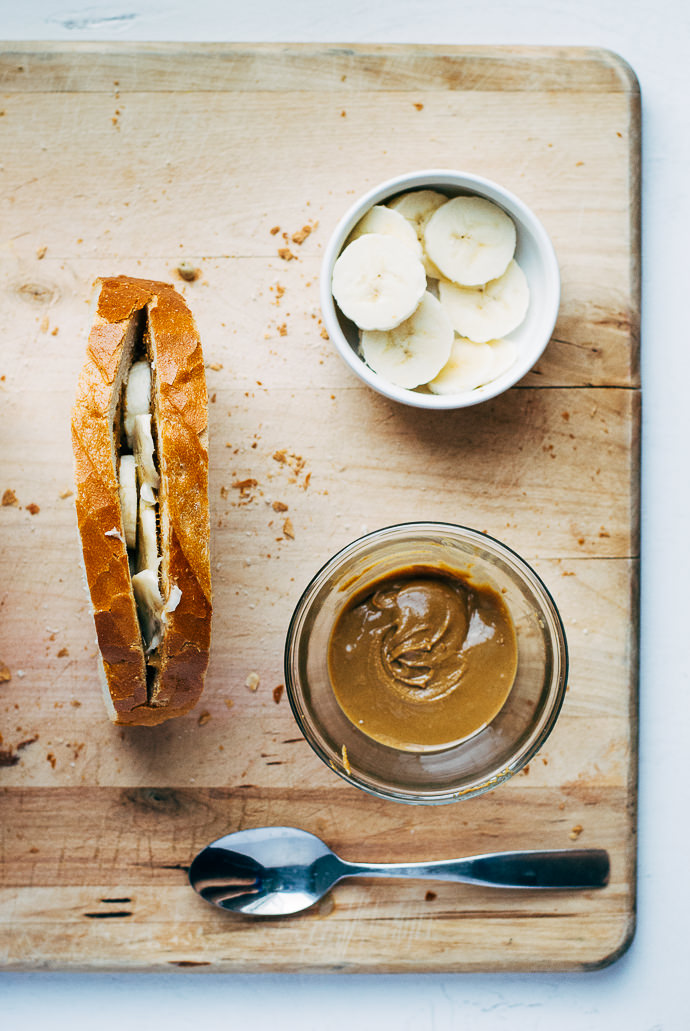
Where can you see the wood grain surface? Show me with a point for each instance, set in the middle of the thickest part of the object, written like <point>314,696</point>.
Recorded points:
<point>130,159</point>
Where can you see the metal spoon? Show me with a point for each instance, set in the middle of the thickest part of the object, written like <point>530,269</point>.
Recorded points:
<point>273,871</point>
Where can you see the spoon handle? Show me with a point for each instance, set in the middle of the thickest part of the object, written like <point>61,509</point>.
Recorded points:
<point>556,868</point>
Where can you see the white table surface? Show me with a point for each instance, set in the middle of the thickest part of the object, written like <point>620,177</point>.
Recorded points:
<point>648,989</point>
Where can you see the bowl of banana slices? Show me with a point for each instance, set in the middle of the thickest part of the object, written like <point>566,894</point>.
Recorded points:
<point>440,289</point>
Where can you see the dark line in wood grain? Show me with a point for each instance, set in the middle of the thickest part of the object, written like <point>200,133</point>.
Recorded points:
<point>116,901</point>
<point>476,914</point>
<point>577,386</point>
<point>189,962</point>
<point>165,866</point>
<point>108,916</point>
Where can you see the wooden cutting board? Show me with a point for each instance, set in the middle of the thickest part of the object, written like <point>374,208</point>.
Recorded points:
<point>130,159</point>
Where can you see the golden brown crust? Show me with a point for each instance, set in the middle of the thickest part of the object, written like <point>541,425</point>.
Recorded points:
<point>181,412</point>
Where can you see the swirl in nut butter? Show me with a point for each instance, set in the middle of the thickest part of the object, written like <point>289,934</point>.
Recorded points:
<point>422,658</point>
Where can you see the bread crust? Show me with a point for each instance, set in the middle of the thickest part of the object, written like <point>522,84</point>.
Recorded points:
<point>181,414</point>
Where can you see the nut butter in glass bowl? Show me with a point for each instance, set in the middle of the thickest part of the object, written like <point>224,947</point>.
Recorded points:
<point>533,252</point>
<point>394,761</point>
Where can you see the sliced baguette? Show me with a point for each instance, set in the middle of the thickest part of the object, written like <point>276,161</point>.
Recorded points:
<point>140,688</point>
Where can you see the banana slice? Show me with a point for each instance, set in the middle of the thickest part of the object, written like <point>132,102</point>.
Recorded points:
<point>413,352</point>
<point>387,222</point>
<point>128,499</point>
<point>490,311</point>
<point>149,605</point>
<point>143,451</point>
<point>470,239</point>
<point>417,206</point>
<point>137,397</point>
<point>505,354</point>
<point>470,366</point>
<point>377,283</point>
<point>147,555</point>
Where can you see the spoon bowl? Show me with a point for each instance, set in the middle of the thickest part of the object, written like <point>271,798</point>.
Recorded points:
<point>276,871</point>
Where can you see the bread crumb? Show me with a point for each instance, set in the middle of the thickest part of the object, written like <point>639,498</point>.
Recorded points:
<point>324,334</point>
<point>33,508</point>
<point>5,674</point>
<point>576,831</point>
<point>229,703</point>
<point>9,498</point>
<point>346,761</point>
<point>245,486</point>
<point>430,896</point>
<point>286,254</point>
<point>279,506</point>
<point>252,681</point>
<point>282,329</point>
<point>288,529</point>
<point>278,693</point>
<point>187,271</point>
<point>50,757</point>
<point>75,703</point>
<point>215,366</point>
<point>274,230</point>
<point>301,235</point>
<point>204,717</point>
<point>63,653</point>
<point>65,494</point>
<point>41,253</point>
<point>418,107</point>
<point>10,756</point>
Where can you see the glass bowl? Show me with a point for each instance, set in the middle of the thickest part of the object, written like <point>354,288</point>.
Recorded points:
<point>477,764</point>
<point>534,253</point>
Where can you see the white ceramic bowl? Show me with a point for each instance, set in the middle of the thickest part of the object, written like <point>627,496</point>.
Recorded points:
<point>534,253</point>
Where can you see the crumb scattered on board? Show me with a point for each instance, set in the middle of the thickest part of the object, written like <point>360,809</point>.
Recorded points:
<point>10,756</point>
<point>252,681</point>
<point>187,271</point>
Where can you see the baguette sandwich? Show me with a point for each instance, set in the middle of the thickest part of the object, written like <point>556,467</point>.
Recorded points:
<point>140,440</point>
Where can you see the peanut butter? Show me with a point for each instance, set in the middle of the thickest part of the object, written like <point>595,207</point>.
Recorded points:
<point>422,658</point>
